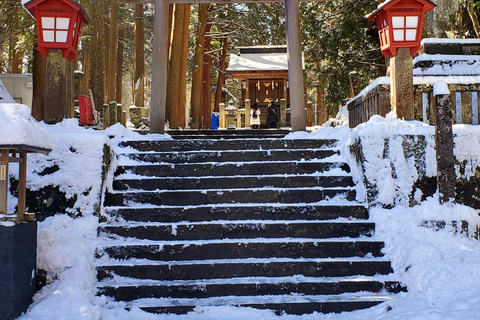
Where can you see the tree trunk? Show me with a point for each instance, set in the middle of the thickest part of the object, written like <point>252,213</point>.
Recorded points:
<point>112,52</point>
<point>38,103</point>
<point>221,75</point>
<point>197,78</point>
<point>172,114</point>
<point>206,103</point>
<point>119,78</point>
<point>182,90</point>
<point>97,51</point>
<point>139,68</point>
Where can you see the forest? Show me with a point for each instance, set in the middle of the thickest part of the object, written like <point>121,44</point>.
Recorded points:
<point>115,50</point>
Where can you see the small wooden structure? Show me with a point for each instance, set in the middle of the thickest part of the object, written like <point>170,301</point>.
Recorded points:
<point>262,72</point>
<point>16,154</point>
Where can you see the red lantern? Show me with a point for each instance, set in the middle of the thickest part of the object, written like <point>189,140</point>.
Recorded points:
<point>59,24</point>
<point>400,24</point>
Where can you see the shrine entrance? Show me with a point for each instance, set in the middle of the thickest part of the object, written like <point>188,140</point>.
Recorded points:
<point>160,59</point>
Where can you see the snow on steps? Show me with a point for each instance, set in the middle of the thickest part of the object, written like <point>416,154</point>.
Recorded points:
<point>246,222</point>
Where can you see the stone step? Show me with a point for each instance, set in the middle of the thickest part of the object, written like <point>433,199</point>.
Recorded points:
<point>219,196</point>
<point>224,133</point>
<point>133,290</point>
<point>242,249</point>
<point>233,182</point>
<point>232,213</point>
<point>231,169</point>
<point>230,156</point>
<point>244,268</point>
<point>294,308</point>
<point>239,230</point>
<point>230,144</point>
<point>230,136</point>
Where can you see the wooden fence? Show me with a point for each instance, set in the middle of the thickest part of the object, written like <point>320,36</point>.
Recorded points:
<point>375,100</point>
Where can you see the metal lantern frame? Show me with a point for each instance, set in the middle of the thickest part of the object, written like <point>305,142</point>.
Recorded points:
<point>400,24</point>
<point>59,24</point>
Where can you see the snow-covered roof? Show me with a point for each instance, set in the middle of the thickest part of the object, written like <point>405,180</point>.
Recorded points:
<point>259,58</point>
<point>18,127</point>
<point>258,62</point>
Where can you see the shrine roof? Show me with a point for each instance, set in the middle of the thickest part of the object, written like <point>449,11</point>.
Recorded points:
<point>259,59</point>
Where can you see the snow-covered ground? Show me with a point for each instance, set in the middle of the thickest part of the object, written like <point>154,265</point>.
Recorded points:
<point>440,268</point>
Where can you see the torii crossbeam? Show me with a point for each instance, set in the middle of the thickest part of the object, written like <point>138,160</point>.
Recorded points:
<point>160,59</point>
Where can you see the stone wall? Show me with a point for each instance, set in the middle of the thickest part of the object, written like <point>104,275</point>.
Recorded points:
<point>410,173</point>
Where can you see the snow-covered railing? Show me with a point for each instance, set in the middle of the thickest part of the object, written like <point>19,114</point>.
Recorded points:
<point>375,99</point>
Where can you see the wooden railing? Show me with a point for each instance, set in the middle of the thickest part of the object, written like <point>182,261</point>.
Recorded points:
<point>375,100</point>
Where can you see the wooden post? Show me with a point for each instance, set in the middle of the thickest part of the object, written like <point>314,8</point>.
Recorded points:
<point>354,85</point>
<point>444,143</point>
<point>401,84</point>
<point>22,186</point>
<point>3,180</point>
<point>159,67</point>
<point>295,70</point>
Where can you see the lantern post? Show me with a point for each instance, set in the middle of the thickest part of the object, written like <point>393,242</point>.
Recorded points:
<point>59,24</point>
<point>400,24</point>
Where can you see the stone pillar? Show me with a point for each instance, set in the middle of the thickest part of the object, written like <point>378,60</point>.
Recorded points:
<point>295,70</point>
<point>106,116</point>
<point>401,84</point>
<point>247,112</point>
<point>159,67</point>
<point>59,88</point>
<point>112,108</point>
<point>221,108</point>
<point>283,112</point>
<point>119,113</point>
<point>444,143</point>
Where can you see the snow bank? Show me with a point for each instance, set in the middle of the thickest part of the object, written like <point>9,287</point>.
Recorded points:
<point>17,127</point>
<point>439,268</point>
<point>66,249</point>
<point>77,155</point>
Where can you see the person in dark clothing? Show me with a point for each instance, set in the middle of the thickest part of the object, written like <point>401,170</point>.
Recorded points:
<point>272,117</point>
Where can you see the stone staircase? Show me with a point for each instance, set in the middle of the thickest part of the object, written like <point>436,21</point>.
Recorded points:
<point>263,223</point>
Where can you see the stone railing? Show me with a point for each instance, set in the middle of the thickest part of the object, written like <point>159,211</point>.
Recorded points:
<point>375,99</point>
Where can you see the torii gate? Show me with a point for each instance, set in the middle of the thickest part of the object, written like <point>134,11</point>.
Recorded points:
<point>160,59</point>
